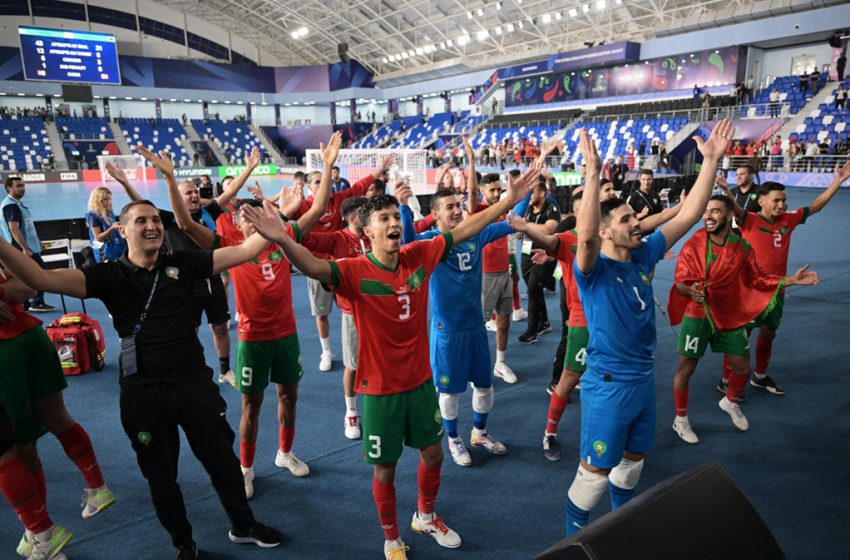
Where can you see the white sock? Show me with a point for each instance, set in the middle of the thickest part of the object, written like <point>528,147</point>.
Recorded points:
<point>351,404</point>
<point>759,375</point>
<point>425,516</point>
<point>500,356</point>
<point>326,344</point>
<point>476,432</point>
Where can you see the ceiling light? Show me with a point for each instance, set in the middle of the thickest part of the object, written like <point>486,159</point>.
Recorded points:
<point>510,28</point>
<point>411,52</point>
<point>420,51</point>
<point>520,25</point>
<point>449,43</point>
<point>498,5</point>
<point>469,15</point>
<point>546,19</point>
<point>480,12</point>
<point>498,30</point>
<point>482,35</point>
<point>619,2</point>
<point>405,56</point>
<point>443,45</point>
<point>558,16</point>
<point>600,5</point>
<point>384,60</point>
<point>585,8</point>
<point>573,12</point>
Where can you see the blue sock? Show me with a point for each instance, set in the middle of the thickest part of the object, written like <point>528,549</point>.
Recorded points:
<point>479,420</point>
<point>451,427</point>
<point>619,496</point>
<point>577,518</point>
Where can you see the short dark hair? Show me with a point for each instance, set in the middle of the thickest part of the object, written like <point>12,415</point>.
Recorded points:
<point>10,181</point>
<point>770,186</point>
<point>725,200</point>
<point>130,205</point>
<point>646,172</point>
<point>374,204</point>
<point>609,206</point>
<point>380,185</point>
<point>298,175</point>
<point>748,167</point>
<point>491,178</point>
<point>248,202</point>
<point>226,177</point>
<point>440,195</point>
<point>353,204</point>
<point>515,173</point>
<point>478,177</point>
<point>335,168</point>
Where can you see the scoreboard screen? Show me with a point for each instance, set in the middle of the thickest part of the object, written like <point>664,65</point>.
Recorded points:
<point>60,55</point>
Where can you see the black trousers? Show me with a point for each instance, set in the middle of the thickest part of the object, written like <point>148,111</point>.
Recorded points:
<point>561,352</point>
<point>536,276</point>
<point>151,416</point>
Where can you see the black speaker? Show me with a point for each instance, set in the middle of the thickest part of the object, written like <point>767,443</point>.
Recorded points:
<point>835,40</point>
<point>698,515</point>
<point>342,50</point>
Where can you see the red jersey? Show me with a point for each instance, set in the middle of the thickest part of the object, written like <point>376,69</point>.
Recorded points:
<point>340,244</point>
<point>495,253</point>
<point>225,224</point>
<point>391,314</point>
<point>772,241</point>
<point>22,322</point>
<point>331,220</point>
<point>263,291</point>
<point>567,249</point>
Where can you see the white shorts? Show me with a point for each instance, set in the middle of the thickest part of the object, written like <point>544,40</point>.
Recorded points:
<point>349,341</point>
<point>321,300</point>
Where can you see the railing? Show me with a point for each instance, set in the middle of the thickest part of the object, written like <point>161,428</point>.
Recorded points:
<point>801,163</point>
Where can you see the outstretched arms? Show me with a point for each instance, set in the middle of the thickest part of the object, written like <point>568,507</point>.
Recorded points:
<point>251,163</point>
<point>118,174</point>
<point>589,214</point>
<point>68,281</point>
<point>323,196</point>
<point>842,173</point>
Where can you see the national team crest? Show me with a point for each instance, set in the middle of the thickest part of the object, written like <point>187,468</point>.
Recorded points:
<point>276,256</point>
<point>444,380</point>
<point>172,272</point>
<point>600,447</point>
<point>645,278</point>
<point>144,438</point>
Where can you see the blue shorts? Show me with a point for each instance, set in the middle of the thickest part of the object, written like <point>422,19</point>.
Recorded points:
<point>459,358</point>
<point>615,418</point>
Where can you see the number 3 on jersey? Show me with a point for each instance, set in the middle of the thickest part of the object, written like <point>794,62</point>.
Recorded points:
<point>404,300</point>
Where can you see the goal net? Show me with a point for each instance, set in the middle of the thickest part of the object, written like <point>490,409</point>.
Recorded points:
<point>133,167</point>
<point>355,164</point>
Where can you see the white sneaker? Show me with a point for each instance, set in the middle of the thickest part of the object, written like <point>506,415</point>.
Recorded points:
<point>683,428</point>
<point>327,361</point>
<point>502,370</point>
<point>352,426</point>
<point>95,500</point>
<point>24,547</point>
<point>519,315</point>
<point>488,442</point>
<point>435,527</point>
<point>459,453</point>
<point>291,462</point>
<point>395,550</point>
<point>46,545</point>
<point>248,476</point>
<point>491,325</point>
<point>734,411</point>
<point>229,378</point>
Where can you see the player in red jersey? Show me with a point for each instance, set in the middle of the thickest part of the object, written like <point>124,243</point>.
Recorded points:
<point>388,290</point>
<point>769,233</point>
<point>268,347</point>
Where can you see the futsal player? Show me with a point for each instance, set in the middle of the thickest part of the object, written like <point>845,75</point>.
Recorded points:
<point>612,269</point>
<point>718,289</point>
<point>388,292</point>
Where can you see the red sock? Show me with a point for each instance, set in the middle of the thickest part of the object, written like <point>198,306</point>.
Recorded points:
<point>557,404</point>
<point>763,348</point>
<point>736,386</point>
<point>247,449</point>
<point>77,445</point>
<point>287,436</point>
<point>42,485</point>
<point>384,495</point>
<point>727,369</point>
<point>429,484</point>
<point>20,487</point>
<point>681,400</point>
<point>516,295</point>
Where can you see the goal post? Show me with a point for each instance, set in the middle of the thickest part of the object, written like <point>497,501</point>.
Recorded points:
<point>133,167</point>
<point>356,164</point>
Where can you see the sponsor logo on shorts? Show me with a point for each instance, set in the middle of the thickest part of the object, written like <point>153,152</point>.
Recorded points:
<point>600,447</point>
<point>144,438</point>
<point>444,380</point>
<point>172,272</point>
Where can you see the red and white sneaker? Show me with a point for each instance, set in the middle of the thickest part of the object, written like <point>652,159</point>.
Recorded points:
<point>433,526</point>
<point>352,426</point>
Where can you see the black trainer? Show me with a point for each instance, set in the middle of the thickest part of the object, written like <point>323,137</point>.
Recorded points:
<point>187,551</point>
<point>722,387</point>
<point>551,388</point>
<point>551,448</point>
<point>258,534</point>
<point>527,337</point>
<point>544,327</point>
<point>767,384</point>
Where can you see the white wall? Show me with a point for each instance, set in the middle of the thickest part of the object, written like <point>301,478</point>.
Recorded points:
<point>128,108</point>
<point>777,62</point>
<point>435,104</point>
<point>315,113</point>
<point>178,109</point>
<point>460,101</point>
<point>227,112</point>
<point>22,102</point>
<point>263,114</point>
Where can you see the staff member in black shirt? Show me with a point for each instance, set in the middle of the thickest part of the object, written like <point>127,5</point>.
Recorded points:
<point>540,211</point>
<point>644,201</point>
<point>619,172</point>
<point>165,382</point>
<point>747,194</point>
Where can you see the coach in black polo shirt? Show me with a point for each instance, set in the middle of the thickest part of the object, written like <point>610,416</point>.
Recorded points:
<point>747,194</point>
<point>165,382</point>
<point>644,201</point>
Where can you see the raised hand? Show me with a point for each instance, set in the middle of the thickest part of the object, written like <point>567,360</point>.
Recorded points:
<point>718,141</point>
<point>588,150</point>
<point>257,191</point>
<point>115,172</point>
<point>467,146</point>
<point>539,256</point>
<point>517,189</point>
<point>643,213</point>
<point>386,163</point>
<point>805,277</point>
<point>721,182</point>
<point>842,171</point>
<point>253,159</point>
<point>331,151</point>
<point>290,200</point>
<point>517,222</point>
<point>161,162</point>
<point>402,192</point>
<point>266,221</point>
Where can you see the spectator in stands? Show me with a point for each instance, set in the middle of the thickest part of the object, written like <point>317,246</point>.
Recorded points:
<point>840,148</point>
<point>18,228</point>
<point>338,182</point>
<point>196,158</point>
<point>840,65</point>
<point>228,154</point>
<point>755,159</point>
<point>814,81</point>
<point>775,160</point>
<point>821,161</point>
<point>840,97</point>
<point>619,171</point>
<point>106,241</point>
<point>644,201</point>
<point>642,148</point>
<point>811,153</point>
<point>605,174</point>
<point>663,158</point>
<point>750,84</point>
<point>185,119</point>
<point>774,103</point>
<point>697,91</point>
<point>804,82</point>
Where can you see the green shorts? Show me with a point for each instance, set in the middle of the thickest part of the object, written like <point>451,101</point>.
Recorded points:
<point>774,317</point>
<point>257,363</point>
<point>30,371</point>
<point>28,430</point>
<point>411,418</point>
<point>512,262</point>
<point>696,335</point>
<point>576,356</point>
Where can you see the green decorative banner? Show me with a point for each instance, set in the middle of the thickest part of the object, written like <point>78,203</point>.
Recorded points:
<point>235,170</point>
<point>567,178</point>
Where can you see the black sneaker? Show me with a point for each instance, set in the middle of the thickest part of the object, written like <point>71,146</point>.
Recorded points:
<point>527,337</point>
<point>551,448</point>
<point>767,384</point>
<point>551,388</point>
<point>722,387</point>
<point>544,327</point>
<point>187,551</point>
<point>258,534</point>
<point>43,308</point>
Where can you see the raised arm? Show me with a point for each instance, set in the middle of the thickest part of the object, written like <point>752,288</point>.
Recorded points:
<point>534,232</point>
<point>118,174</point>
<point>589,215</point>
<point>13,290</point>
<point>842,173</point>
<point>657,220</point>
<point>228,257</point>
<point>739,211</point>
<point>67,281</point>
<point>472,184</point>
<point>251,163</point>
<point>323,196</point>
<point>268,224</point>
<point>712,150</point>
